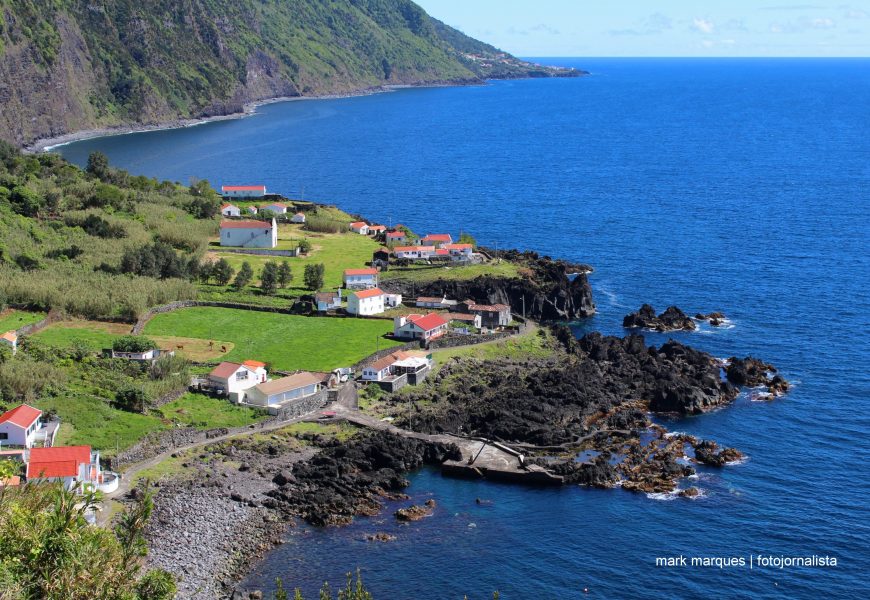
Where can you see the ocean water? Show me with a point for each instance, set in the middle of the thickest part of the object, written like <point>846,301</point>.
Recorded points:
<point>733,185</point>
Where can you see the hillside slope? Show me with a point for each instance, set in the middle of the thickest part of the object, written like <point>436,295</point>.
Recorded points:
<point>68,65</point>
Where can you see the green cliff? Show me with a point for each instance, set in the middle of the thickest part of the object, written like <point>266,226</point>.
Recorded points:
<point>69,65</point>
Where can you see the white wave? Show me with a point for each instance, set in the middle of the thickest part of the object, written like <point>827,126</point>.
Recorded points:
<point>739,461</point>
<point>664,496</point>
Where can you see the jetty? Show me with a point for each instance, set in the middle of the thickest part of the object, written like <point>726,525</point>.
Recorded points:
<point>481,458</point>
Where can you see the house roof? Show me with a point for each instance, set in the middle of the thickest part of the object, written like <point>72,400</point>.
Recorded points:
<point>246,225</point>
<point>325,296</point>
<point>458,246</point>
<point>60,461</point>
<point>278,204</point>
<point>442,252</point>
<point>377,227</point>
<point>439,237</point>
<point>396,234</point>
<point>358,224</point>
<point>254,364</point>
<point>228,205</point>
<point>360,271</point>
<point>9,336</point>
<point>489,307</point>
<point>429,322</point>
<point>291,382</point>
<point>414,248</point>
<point>383,363</point>
<point>299,214</point>
<point>372,293</point>
<point>428,300</point>
<point>225,369</point>
<point>23,416</point>
<point>243,188</point>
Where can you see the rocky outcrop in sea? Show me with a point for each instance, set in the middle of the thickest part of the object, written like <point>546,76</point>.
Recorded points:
<point>673,319</point>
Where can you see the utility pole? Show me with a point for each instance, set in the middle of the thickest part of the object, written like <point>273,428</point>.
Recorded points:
<point>524,307</point>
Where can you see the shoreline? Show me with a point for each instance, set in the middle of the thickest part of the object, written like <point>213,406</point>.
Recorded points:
<point>249,109</point>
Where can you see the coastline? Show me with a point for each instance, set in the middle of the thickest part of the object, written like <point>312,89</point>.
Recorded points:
<point>248,109</point>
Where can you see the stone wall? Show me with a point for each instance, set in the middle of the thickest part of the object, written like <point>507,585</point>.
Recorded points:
<point>297,408</point>
<point>52,317</point>
<point>159,442</point>
<point>260,251</point>
<point>467,340</point>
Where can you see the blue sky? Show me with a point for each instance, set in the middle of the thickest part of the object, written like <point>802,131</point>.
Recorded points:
<point>662,28</point>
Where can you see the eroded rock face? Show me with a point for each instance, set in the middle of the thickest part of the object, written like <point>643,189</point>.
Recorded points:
<point>709,453</point>
<point>551,291</point>
<point>673,319</point>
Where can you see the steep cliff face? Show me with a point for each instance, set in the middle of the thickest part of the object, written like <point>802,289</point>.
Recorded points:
<point>69,65</point>
<point>551,293</point>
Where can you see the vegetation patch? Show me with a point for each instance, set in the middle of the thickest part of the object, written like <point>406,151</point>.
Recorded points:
<point>16,319</point>
<point>206,412</point>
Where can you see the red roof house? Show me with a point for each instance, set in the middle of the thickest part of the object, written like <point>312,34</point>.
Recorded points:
<point>18,426</point>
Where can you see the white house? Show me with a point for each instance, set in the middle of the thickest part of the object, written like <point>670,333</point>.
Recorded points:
<point>380,369</point>
<point>243,191</point>
<point>426,302</point>
<point>391,365</point>
<point>360,278</point>
<point>234,377</point>
<point>327,300</point>
<point>298,218</point>
<point>360,227</point>
<point>419,327</point>
<point>276,207</point>
<point>249,234</point>
<point>230,210</point>
<point>366,302</point>
<point>377,229</point>
<point>18,426</point>
<point>396,237</point>
<point>492,315</point>
<point>10,338</point>
<point>436,239</point>
<point>278,391</point>
<point>414,252</point>
<point>71,465</point>
<point>459,251</point>
<point>252,210</point>
<point>145,355</point>
<point>392,300</point>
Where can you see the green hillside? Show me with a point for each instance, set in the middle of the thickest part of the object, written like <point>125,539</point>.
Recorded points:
<point>67,65</point>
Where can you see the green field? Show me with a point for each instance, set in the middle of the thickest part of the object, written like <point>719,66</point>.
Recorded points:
<point>205,412</point>
<point>94,334</point>
<point>287,342</point>
<point>15,319</point>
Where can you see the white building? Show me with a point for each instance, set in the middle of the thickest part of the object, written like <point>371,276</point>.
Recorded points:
<point>377,229</point>
<point>298,218</point>
<point>18,426</point>
<point>327,300</point>
<point>360,279</point>
<point>360,227</point>
<point>276,207</point>
<point>459,251</point>
<point>366,302</point>
<point>252,210</point>
<point>230,210</point>
<point>394,364</point>
<point>70,465</point>
<point>438,240</point>
<point>414,252</point>
<point>419,327</point>
<point>392,300</point>
<point>396,237</point>
<point>234,378</point>
<point>243,191</point>
<point>249,234</point>
<point>279,391</point>
<point>10,338</point>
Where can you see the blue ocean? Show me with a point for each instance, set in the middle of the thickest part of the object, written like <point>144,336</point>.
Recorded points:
<point>738,185</point>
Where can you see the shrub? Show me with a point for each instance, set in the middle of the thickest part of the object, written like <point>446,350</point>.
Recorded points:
<point>314,276</point>
<point>133,343</point>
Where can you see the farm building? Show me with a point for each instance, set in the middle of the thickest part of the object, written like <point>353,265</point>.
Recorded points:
<point>249,234</point>
<point>10,338</point>
<point>243,191</point>
<point>396,237</point>
<point>360,227</point>
<point>230,210</point>
<point>492,315</point>
<point>279,208</point>
<point>298,218</point>
<point>327,300</point>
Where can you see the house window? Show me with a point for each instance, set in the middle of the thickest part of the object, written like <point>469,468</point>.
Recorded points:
<point>241,375</point>
<point>4,436</point>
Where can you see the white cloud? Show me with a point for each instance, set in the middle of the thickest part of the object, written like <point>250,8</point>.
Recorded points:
<point>856,13</point>
<point>703,25</point>
<point>708,43</point>
<point>821,23</point>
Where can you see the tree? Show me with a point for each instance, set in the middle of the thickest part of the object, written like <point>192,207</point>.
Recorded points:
<point>98,165</point>
<point>285,275</point>
<point>133,343</point>
<point>304,246</point>
<point>314,276</point>
<point>131,399</point>
<point>206,271</point>
<point>467,238</point>
<point>130,529</point>
<point>222,271</point>
<point>244,276</point>
<point>269,278</point>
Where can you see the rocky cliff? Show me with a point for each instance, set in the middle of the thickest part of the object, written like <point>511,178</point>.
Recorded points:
<point>67,65</point>
<point>553,290</point>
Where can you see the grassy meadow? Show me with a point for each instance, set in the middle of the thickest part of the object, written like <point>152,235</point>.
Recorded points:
<point>287,342</point>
